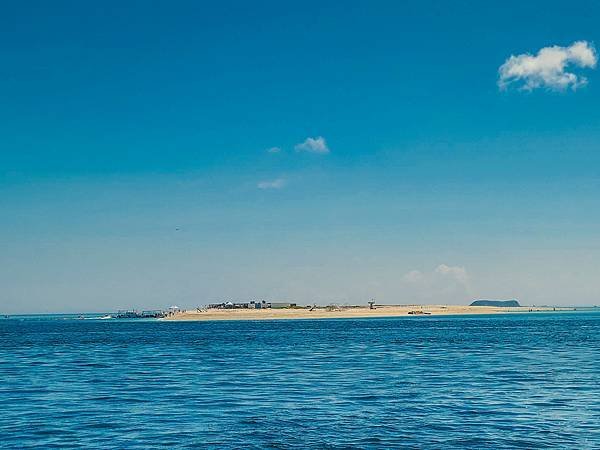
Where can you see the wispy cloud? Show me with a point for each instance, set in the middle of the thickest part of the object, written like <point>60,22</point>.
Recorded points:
<point>455,272</point>
<point>274,150</point>
<point>443,284</point>
<point>277,183</point>
<point>442,272</point>
<point>313,145</point>
<point>548,68</point>
<point>414,276</point>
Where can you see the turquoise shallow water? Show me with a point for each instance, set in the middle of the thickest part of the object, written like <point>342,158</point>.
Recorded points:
<point>509,381</point>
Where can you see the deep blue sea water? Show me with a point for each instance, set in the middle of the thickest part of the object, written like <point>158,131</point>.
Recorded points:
<point>505,381</point>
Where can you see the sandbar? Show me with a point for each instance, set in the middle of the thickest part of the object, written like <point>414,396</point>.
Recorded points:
<point>351,312</point>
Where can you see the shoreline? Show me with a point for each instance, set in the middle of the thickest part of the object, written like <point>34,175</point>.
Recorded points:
<point>355,312</point>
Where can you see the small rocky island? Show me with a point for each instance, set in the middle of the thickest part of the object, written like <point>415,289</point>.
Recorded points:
<point>498,303</point>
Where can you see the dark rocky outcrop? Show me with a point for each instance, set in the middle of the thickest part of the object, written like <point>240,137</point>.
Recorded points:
<point>500,303</point>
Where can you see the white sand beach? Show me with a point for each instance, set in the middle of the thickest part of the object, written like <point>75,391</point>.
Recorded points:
<point>349,312</point>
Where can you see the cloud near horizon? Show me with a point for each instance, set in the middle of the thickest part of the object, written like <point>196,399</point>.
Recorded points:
<point>414,276</point>
<point>277,183</point>
<point>547,69</point>
<point>456,272</point>
<point>313,145</point>
<point>443,284</point>
<point>274,150</point>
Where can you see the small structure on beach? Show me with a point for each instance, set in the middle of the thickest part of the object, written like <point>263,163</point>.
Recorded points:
<point>253,304</point>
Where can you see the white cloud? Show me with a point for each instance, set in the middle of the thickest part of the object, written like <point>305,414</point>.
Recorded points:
<point>414,276</point>
<point>444,284</point>
<point>313,145</point>
<point>277,183</point>
<point>274,150</point>
<point>456,272</point>
<point>548,67</point>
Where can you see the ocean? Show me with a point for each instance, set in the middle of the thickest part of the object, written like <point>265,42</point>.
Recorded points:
<point>501,381</point>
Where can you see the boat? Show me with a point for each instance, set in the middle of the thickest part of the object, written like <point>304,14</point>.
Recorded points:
<point>134,314</point>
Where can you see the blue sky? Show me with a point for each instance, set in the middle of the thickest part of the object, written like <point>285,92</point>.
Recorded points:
<point>135,171</point>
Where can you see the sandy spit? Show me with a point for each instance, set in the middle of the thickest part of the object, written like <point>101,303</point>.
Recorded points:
<point>354,312</point>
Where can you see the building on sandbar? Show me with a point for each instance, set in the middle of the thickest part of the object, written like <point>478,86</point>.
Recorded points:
<point>253,304</point>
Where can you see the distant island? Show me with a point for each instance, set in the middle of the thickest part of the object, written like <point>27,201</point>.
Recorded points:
<point>497,303</point>
<point>238,311</point>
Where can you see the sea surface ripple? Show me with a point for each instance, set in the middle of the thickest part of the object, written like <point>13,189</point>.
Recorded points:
<point>503,381</point>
